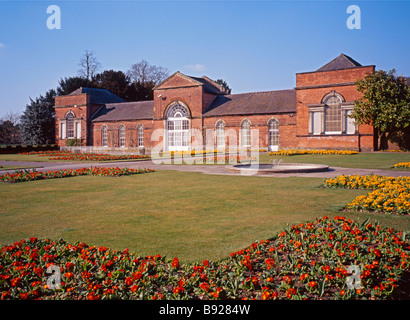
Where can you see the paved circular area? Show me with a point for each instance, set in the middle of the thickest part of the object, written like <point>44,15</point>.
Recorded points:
<point>206,169</point>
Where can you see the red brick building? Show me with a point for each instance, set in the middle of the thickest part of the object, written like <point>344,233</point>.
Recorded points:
<point>190,112</point>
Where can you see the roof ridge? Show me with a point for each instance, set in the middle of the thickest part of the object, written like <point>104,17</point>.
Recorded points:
<point>266,91</point>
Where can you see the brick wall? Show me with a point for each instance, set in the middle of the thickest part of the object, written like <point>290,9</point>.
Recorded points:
<point>311,87</point>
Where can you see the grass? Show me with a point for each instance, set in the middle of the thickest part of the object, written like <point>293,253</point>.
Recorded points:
<point>188,215</point>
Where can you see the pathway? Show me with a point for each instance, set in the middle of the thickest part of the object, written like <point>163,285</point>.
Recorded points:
<point>206,169</point>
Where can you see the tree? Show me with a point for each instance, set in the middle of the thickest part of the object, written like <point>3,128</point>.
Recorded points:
<point>224,84</point>
<point>10,129</point>
<point>70,84</point>
<point>385,104</point>
<point>115,81</point>
<point>143,72</point>
<point>37,121</point>
<point>89,65</point>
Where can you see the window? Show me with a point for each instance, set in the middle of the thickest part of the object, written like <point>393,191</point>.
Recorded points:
<point>63,130</point>
<point>220,134</point>
<point>104,136</point>
<point>121,136</point>
<point>349,123</point>
<point>140,135</point>
<point>333,113</point>
<point>273,125</point>
<point>246,133</point>
<point>78,129</point>
<point>316,119</point>
<point>70,125</point>
<point>178,135</point>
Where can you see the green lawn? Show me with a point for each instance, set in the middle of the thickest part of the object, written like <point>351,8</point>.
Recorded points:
<point>26,157</point>
<point>191,216</point>
<point>376,160</point>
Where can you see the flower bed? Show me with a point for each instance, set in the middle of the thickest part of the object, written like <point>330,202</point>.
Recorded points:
<point>70,156</point>
<point>307,261</point>
<point>26,175</point>
<point>292,152</point>
<point>402,165</point>
<point>390,195</point>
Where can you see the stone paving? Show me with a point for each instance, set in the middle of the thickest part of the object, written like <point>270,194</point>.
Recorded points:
<point>205,169</point>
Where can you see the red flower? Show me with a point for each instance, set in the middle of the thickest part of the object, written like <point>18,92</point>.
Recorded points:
<point>175,263</point>
<point>205,286</point>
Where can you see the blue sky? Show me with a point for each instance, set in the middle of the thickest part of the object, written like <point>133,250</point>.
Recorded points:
<point>253,45</point>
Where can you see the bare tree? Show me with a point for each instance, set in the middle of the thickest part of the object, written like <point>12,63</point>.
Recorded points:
<point>9,128</point>
<point>143,72</point>
<point>13,117</point>
<point>89,65</point>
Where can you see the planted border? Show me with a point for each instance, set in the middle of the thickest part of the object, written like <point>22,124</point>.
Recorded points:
<point>306,261</point>
<point>390,195</point>
<point>26,175</point>
<point>404,165</point>
<point>70,156</point>
<point>293,152</point>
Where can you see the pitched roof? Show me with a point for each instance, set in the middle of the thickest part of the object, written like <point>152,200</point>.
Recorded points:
<point>125,111</point>
<point>339,63</point>
<point>253,103</point>
<point>98,96</point>
<point>208,84</point>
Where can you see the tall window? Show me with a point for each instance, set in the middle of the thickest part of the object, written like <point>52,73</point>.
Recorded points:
<point>104,136</point>
<point>246,133</point>
<point>178,135</point>
<point>220,134</point>
<point>333,113</point>
<point>121,136</point>
<point>70,125</point>
<point>140,135</point>
<point>273,125</point>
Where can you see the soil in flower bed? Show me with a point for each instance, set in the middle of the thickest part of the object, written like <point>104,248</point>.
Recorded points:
<point>306,261</point>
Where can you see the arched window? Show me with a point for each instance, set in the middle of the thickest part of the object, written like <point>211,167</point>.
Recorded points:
<point>177,127</point>
<point>121,136</point>
<point>140,135</point>
<point>273,127</point>
<point>246,133</point>
<point>333,112</point>
<point>104,136</point>
<point>70,125</point>
<point>177,111</point>
<point>220,134</point>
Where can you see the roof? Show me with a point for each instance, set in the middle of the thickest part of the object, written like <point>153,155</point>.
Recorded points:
<point>125,111</point>
<point>208,84</point>
<point>98,96</point>
<point>253,103</point>
<point>339,63</point>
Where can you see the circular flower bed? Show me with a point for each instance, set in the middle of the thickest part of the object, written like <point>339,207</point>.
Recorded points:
<point>307,261</point>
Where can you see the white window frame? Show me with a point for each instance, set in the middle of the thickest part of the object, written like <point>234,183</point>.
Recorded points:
<point>121,136</point>
<point>140,136</point>
<point>220,134</point>
<point>104,135</point>
<point>273,134</point>
<point>246,134</point>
